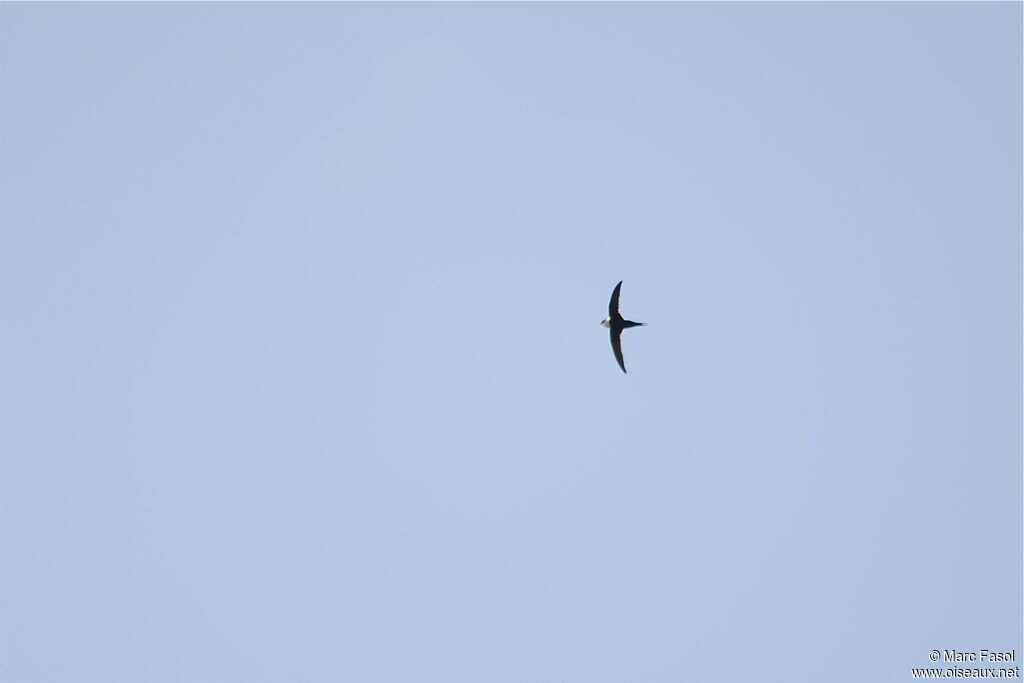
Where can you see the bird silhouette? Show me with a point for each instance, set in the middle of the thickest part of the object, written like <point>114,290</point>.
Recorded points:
<point>616,324</point>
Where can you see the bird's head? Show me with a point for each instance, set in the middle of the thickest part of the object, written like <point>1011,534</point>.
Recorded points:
<point>606,322</point>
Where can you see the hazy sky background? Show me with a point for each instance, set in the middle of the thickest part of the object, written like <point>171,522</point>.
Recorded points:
<point>303,378</point>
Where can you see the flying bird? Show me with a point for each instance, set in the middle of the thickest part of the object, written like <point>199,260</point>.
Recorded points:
<point>616,324</point>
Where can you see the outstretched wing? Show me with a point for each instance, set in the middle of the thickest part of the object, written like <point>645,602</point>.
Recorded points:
<point>613,308</point>
<point>616,336</point>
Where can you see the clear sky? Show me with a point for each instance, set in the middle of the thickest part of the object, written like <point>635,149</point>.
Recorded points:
<point>302,377</point>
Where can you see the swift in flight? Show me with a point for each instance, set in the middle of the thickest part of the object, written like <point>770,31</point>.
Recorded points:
<point>616,324</point>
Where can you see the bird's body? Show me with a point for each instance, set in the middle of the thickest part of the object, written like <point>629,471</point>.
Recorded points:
<point>616,324</point>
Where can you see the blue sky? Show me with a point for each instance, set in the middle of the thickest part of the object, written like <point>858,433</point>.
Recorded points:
<point>303,377</point>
